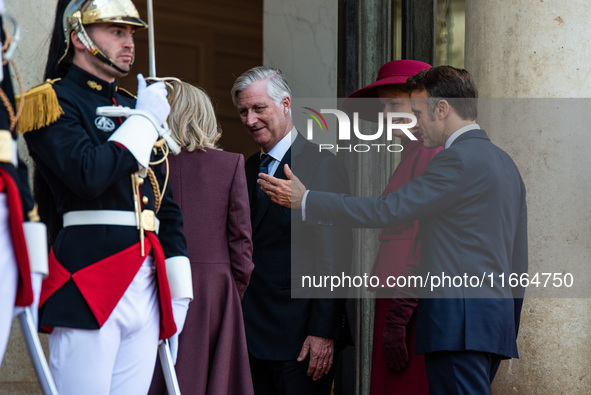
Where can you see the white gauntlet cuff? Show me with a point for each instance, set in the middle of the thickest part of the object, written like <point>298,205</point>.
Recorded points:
<point>36,236</point>
<point>180,282</point>
<point>138,135</point>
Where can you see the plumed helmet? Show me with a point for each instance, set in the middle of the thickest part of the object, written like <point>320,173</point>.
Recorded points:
<point>79,13</point>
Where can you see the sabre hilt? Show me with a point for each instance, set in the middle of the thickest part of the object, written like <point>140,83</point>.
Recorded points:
<point>163,130</point>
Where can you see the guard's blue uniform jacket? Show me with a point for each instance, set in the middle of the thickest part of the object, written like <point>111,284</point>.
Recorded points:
<point>86,172</point>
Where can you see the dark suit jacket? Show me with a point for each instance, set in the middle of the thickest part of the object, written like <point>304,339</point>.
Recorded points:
<point>276,322</point>
<point>470,203</point>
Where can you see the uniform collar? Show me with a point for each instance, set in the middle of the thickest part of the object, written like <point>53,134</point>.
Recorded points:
<point>91,83</point>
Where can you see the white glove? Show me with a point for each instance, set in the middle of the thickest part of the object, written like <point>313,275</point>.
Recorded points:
<point>152,99</point>
<point>179,312</point>
<point>36,237</point>
<point>180,280</point>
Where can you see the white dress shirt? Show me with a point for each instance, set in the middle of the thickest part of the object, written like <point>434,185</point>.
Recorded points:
<point>279,150</point>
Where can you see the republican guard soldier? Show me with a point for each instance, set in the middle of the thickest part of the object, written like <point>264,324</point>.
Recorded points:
<point>120,255</point>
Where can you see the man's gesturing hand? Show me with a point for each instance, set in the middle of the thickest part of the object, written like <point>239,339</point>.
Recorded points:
<point>288,193</point>
<point>321,351</point>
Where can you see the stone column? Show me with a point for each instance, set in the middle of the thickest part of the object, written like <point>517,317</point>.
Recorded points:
<point>369,176</point>
<point>300,38</point>
<point>540,49</point>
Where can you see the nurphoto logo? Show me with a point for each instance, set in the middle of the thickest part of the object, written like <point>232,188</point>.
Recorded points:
<point>393,120</point>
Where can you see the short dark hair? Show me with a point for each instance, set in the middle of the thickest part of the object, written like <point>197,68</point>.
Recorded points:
<point>449,83</point>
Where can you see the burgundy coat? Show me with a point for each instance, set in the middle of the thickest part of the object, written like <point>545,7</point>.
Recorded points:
<point>399,246</point>
<point>210,188</point>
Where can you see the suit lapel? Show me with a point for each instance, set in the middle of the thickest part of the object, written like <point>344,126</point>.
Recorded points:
<point>265,202</point>
<point>296,149</point>
<point>251,176</point>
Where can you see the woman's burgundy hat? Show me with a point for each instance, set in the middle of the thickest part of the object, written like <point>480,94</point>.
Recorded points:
<point>394,72</point>
<point>391,73</point>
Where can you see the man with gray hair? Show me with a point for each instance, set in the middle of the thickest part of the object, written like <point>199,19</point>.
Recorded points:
<point>291,338</point>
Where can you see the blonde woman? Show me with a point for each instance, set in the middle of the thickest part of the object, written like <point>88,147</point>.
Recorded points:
<point>210,187</point>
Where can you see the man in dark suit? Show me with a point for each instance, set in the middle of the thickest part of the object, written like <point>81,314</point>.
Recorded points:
<point>471,205</point>
<point>291,338</point>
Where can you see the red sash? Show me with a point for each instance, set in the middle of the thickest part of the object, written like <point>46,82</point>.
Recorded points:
<point>103,283</point>
<point>24,294</point>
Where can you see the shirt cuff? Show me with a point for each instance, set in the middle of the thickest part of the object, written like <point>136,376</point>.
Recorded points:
<point>304,205</point>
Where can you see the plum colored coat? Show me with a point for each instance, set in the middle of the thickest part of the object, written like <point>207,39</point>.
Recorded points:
<point>210,188</point>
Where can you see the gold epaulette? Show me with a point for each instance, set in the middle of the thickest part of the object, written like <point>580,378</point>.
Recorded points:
<point>41,107</point>
<point>126,92</point>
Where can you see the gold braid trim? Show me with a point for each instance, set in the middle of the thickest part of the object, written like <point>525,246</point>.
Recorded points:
<point>155,187</point>
<point>159,145</point>
<point>126,92</point>
<point>34,214</point>
<point>41,108</point>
